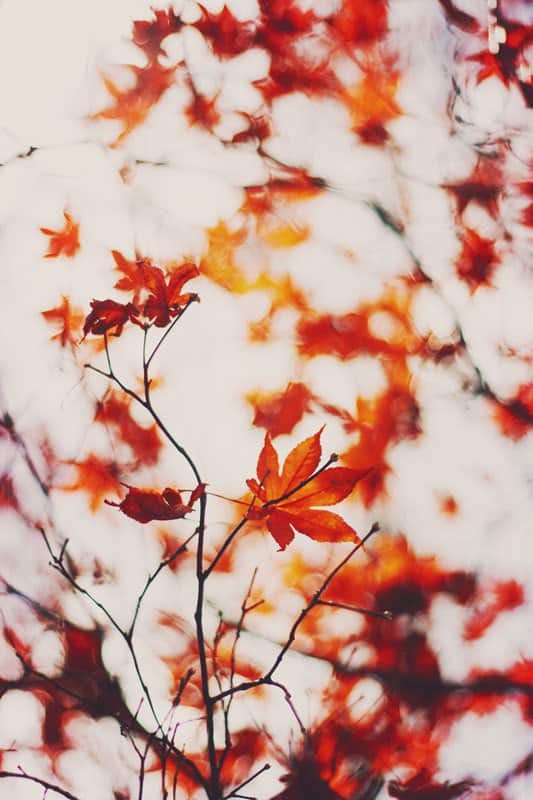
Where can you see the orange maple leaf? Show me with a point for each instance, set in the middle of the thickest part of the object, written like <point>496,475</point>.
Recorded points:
<point>69,320</point>
<point>132,274</point>
<point>65,241</point>
<point>288,499</point>
<point>279,412</point>
<point>372,105</point>
<point>96,477</point>
<point>132,106</point>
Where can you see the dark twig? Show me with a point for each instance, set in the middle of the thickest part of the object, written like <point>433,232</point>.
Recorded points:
<point>59,565</point>
<point>169,329</point>
<point>47,786</point>
<point>234,792</point>
<point>347,607</point>
<point>331,460</point>
<point>267,678</point>
<point>151,578</point>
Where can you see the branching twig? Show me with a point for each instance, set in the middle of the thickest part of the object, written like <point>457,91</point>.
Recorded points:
<point>234,792</point>
<point>267,678</point>
<point>151,578</point>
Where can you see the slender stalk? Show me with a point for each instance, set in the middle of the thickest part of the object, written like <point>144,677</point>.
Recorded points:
<point>169,329</point>
<point>234,792</point>
<point>47,786</point>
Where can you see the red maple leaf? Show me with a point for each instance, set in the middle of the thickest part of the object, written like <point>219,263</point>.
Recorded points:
<point>279,412</point>
<point>108,316</point>
<point>149,33</point>
<point>132,274</point>
<point>228,35</point>
<point>166,299</point>
<point>65,241</point>
<point>202,110</point>
<point>69,319</point>
<point>288,499</point>
<point>145,505</point>
<point>515,417</point>
<point>504,596</point>
<point>483,186</point>
<point>132,106</point>
<point>477,260</point>
<point>360,22</point>
<point>114,411</point>
<point>287,33</point>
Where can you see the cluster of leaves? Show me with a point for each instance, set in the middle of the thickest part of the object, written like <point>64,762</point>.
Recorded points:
<point>164,302</point>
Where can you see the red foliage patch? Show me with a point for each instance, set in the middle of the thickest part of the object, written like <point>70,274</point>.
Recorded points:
<point>114,411</point>
<point>503,596</point>
<point>96,477</point>
<point>280,412</point>
<point>69,320</point>
<point>360,22</point>
<point>65,242</point>
<point>515,417</point>
<point>477,261</point>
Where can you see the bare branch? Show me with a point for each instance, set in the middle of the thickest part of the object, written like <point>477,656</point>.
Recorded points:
<point>49,787</point>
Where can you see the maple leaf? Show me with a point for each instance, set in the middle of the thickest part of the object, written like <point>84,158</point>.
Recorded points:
<point>381,422</point>
<point>279,412</point>
<point>285,31</point>
<point>114,411</point>
<point>219,261</point>
<point>477,260</point>
<point>148,34</point>
<point>132,106</point>
<point>96,477</point>
<point>504,596</point>
<point>515,417</point>
<point>360,22</point>
<point>484,186</point>
<point>145,505</point>
<point>349,335</point>
<point>65,241</point>
<point>69,320</point>
<point>132,272</point>
<point>166,299</point>
<point>372,105</point>
<point>108,316</point>
<point>288,499</point>
<point>228,35</point>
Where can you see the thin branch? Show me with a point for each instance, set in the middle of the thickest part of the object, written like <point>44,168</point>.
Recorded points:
<point>234,792</point>
<point>227,542</point>
<point>60,567</point>
<point>316,597</point>
<point>49,787</point>
<point>192,300</point>
<point>331,460</point>
<point>245,609</point>
<point>8,424</point>
<point>347,607</point>
<point>151,578</point>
